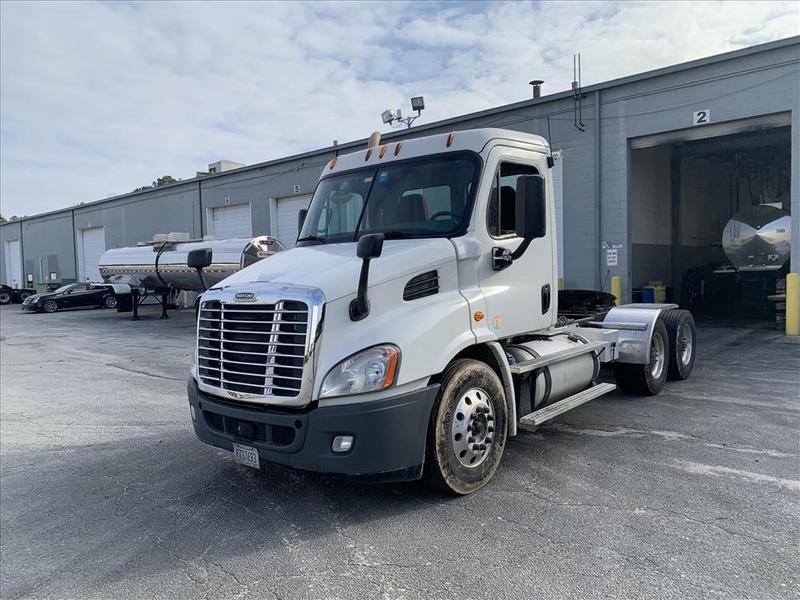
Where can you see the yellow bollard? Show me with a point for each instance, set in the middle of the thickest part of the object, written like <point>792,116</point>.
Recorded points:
<point>616,289</point>
<point>793,304</point>
<point>561,283</point>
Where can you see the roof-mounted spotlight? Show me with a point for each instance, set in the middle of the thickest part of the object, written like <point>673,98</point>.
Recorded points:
<point>387,116</point>
<point>390,117</point>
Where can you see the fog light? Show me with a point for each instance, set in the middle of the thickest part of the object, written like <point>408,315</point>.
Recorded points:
<point>191,412</point>
<point>342,443</point>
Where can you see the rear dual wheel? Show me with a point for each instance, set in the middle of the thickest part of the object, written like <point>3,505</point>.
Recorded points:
<point>468,431</point>
<point>672,353</point>
<point>682,335</point>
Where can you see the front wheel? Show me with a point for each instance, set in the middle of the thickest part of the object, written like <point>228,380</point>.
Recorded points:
<point>111,302</point>
<point>468,432</point>
<point>50,306</point>
<point>648,379</point>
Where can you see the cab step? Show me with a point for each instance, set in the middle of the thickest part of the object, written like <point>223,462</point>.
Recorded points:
<point>532,420</point>
<point>526,366</point>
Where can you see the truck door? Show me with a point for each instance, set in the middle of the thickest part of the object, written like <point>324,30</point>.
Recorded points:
<point>519,298</point>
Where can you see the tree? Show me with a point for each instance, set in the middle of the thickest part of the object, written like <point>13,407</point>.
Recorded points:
<point>165,180</point>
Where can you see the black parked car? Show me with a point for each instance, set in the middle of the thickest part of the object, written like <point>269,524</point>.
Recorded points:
<point>73,295</point>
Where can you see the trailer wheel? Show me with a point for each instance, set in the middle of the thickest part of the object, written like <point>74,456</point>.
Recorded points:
<point>647,379</point>
<point>110,302</point>
<point>5,297</point>
<point>682,335</point>
<point>468,429</point>
<point>50,306</point>
<point>23,295</point>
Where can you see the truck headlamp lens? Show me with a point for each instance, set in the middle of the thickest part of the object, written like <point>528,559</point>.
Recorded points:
<point>366,371</point>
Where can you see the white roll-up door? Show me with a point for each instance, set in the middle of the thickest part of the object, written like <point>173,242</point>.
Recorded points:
<point>14,264</point>
<point>91,245</point>
<point>287,218</point>
<point>232,221</point>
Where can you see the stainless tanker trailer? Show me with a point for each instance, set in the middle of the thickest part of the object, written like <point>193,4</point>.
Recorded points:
<point>159,268</point>
<point>161,265</point>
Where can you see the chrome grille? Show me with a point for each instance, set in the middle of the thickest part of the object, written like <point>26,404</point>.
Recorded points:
<point>253,348</point>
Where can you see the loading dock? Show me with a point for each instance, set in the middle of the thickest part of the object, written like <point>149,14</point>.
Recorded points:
<point>685,187</point>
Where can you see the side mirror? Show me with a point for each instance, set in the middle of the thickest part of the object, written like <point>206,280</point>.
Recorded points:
<point>199,258</point>
<point>370,246</point>
<point>531,213</point>
<point>301,218</point>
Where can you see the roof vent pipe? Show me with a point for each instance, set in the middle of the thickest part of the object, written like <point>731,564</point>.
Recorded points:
<point>537,87</point>
<point>374,139</point>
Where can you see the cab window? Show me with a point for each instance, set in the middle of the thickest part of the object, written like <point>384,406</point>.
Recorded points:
<point>503,198</point>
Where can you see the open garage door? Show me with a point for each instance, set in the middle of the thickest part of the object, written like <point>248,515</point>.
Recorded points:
<point>232,221</point>
<point>287,210</point>
<point>91,245</point>
<point>710,222</point>
<point>14,263</point>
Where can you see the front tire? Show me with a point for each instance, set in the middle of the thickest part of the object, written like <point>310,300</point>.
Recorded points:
<point>649,379</point>
<point>50,306</point>
<point>468,431</point>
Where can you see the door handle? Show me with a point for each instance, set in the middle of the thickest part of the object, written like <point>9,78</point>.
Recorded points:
<point>545,298</point>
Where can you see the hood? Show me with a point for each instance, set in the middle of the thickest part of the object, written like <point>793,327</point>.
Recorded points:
<point>335,268</point>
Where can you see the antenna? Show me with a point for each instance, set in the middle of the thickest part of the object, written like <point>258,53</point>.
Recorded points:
<point>577,94</point>
<point>550,160</point>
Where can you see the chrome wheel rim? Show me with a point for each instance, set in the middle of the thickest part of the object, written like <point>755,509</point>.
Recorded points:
<point>657,356</point>
<point>685,343</point>
<point>50,306</point>
<point>472,431</point>
<point>111,302</point>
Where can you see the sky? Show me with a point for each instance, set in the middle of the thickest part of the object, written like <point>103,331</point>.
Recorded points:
<point>99,98</point>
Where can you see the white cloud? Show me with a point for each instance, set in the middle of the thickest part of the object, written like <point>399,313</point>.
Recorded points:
<point>99,98</point>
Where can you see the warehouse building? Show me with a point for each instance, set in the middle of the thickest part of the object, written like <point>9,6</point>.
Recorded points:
<point>651,168</point>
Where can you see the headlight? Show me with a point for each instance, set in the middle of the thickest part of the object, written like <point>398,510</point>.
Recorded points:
<point>370,370</point>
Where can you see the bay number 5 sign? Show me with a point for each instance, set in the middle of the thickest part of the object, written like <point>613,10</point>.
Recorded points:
<point>701,117</point>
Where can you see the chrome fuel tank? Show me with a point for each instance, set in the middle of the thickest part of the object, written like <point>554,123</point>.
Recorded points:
<point>161,265</point>
<point>758,239</point>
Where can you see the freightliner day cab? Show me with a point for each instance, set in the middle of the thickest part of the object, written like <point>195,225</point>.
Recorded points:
<point>413,329</point>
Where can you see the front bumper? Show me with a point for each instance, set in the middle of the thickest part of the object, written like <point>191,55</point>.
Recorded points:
<point>33,307</point>
<point>390,434</point>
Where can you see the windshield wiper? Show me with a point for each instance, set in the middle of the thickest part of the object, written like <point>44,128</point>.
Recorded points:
<point>312,238</point>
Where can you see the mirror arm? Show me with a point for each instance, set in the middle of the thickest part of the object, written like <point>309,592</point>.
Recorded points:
<point>359,306</point>
<point>202,277</point>
<point>503,257</point>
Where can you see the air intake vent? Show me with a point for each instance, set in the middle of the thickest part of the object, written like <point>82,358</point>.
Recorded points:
<point>423,285</point>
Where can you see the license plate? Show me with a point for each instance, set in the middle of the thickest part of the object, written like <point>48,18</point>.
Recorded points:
<point>246,455</point>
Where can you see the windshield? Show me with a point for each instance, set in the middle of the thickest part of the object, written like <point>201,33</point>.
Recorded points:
<point>63,288</point>
<point>416,198</point>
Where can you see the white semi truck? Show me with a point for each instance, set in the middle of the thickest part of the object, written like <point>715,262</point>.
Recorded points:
<point>414,328</point>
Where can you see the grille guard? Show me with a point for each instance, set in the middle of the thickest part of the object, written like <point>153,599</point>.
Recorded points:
<point>271,293</point>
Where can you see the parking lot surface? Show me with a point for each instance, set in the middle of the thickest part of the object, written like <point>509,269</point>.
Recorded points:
<point>105,491</point>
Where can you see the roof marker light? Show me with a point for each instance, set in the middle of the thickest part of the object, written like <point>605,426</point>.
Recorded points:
<point>369,153</point>
<point>397,147</point>
<point>450,139</point>
<point>382,151</point>
<point>333,162</point>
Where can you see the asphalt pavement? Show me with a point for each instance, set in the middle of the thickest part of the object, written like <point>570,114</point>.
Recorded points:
<point>106,493</point>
